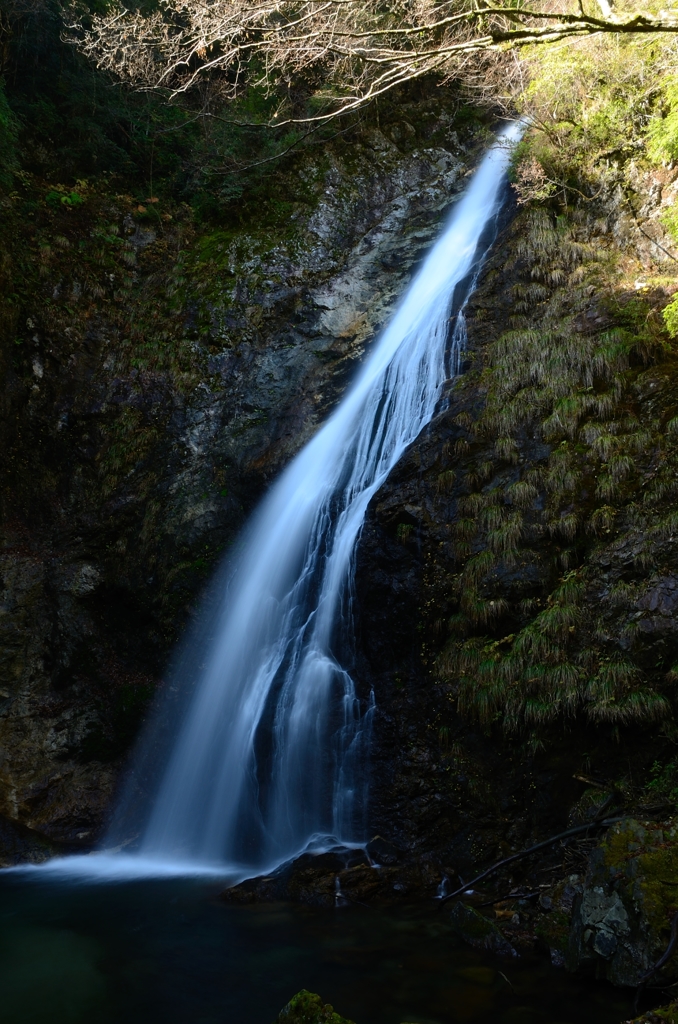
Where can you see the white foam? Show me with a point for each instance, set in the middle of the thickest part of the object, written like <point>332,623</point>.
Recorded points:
<point>108,867</point>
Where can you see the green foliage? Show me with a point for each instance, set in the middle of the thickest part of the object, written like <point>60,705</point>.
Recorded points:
<point>569,371</point>
<point>446,480</point>
<point>667,1014</point>
<point>403,531</point>
<point>594,99</point>
<point>9,131</point>
<point>539,674</point>
<point>663,130</point>
<point>55,198</point>
<point>669,219</point>
<point>670,315</point>
<point>663,782</point>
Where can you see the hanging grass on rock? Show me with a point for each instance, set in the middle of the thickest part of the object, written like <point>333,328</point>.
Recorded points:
<point>586,371</point>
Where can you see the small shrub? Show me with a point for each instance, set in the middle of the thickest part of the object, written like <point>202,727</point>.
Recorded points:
<point>403,532</point>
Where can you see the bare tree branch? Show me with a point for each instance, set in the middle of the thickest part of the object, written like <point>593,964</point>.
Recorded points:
<point>352,50</point>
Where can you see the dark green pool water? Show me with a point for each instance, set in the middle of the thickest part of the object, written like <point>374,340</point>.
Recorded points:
<point>170,952</point>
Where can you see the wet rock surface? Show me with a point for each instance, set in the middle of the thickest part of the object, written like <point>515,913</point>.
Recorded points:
<point>376,875</point>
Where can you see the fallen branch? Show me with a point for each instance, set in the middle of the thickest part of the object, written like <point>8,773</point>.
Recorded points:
<point>577,830</point>
<point>509,896</point>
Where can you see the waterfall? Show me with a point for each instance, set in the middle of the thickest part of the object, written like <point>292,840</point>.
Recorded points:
<point>271,751</point>
<point>270,756</point>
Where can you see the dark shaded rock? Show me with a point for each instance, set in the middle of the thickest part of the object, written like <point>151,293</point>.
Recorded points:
<point>308,1008</point>
<point>662,597</point>
<point>19,844</point>
<point>380,851</point>
<point>479,932</point>
<point>601,924</point>
<point>553,925</point>
<point>337,878</point>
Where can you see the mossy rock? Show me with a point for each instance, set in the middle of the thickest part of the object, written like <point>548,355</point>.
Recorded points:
<point>662,1015</point>
<point>308,1008</point>
<point>621,922</point>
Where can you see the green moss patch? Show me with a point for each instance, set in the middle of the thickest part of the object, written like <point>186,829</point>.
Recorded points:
<point>308,1008</point>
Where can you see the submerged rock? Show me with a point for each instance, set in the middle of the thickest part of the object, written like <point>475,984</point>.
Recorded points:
<point>479,932</point>
<point>308,1008</point>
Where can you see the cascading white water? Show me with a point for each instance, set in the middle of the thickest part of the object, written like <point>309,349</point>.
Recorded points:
<point>270,754</point>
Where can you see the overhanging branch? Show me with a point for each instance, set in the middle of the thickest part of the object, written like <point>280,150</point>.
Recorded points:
<point>354,44</point>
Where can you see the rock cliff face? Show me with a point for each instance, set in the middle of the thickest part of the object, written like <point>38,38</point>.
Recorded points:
<point>128,470</point>
<point>517,575</point>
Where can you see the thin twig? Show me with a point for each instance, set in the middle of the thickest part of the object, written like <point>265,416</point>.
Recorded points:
<point>279,156</point>
<point>510,896</point>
